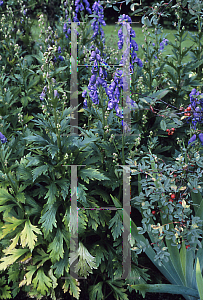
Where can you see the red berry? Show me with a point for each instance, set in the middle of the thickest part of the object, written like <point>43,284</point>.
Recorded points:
<point>180,202</point>
<point>169,133</point>
<point>188,114</point>
<point>153,212</point>
<point>174,175</point>
<point>172,132</point>
<point>187,246</point>
<point>168,130</point>
<point>181,108</point>
<point>188,108</point>
<point>173,196</point>
<point>172,129</point>
<point>170,200</point>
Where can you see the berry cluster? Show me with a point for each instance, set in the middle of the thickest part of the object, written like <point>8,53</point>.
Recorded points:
<point>187,113</point>
<point>170,131</point>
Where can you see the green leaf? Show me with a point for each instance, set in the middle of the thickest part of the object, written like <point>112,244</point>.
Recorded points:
<point>117,226</point>
<point>198,201</point>
<point>199,279</point>
<point>64,185</point>
<point>166,288</point>
<point>118,291</point>
<point>61,265</point>
<point>163,125</point>
<point>20,197</point>
<point>115,8</point>
<point>39,171</point>
<point>160,94</point>
<point>5,292</point>
<point>92,174</point>
<point>25,100</point>
<point>48,218</point>
<point>86,261</point>
<point>51,194</point>
<point>33,82</point>
<point>52,150</point>
<point>58,70</point>
<point>7,228</point>
<point>5,196</point>
<point>72,284</point>
<point>36,138</point>
<point>56,247</point>
<point>28,275</point>
<point>95,291</point>
<point>15,254</point>
<point>42,282</point>
<point>100,253</point>
<point>27,235</point>
<point>27,118</point>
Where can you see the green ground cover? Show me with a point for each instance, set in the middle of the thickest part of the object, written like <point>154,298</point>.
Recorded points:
<point>111,34</point>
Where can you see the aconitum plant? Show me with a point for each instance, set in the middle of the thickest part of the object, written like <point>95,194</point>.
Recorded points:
<point>80,7</point>
<point>195,114</point>
<point>162,44</point>
<point>134,45</point>
<point>96,25</point>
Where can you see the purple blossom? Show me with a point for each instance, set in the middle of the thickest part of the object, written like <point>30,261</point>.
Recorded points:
<point>56,94</point>
<point>43,94</point>
<point>59,49</point>
<point>61,58</point>
<point>134,45</point>
<point>80,7</point>
<point>84,93</point>
<point>3,138</point>
<point>163,43</point>
<point>85,103</point>
<point>192,140</point>
<point>96,25</point>
<point>64,27</point>
<point>1,3</point>
<point>201,138</point>
<point>196,108</point>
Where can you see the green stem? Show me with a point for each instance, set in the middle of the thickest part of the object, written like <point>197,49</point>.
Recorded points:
<point>123,154</point>
<point>108,294</point>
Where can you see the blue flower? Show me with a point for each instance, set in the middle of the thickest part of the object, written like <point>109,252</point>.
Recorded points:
<point>192,140</point>
<point>1,3</point>
<point>85,103</point>
<point>84,93</point>
<point>3,138</point>
<point>59,49</point>
<point>201,138</point>
<point>134,45</point>
<point>55,93</point>
<point>64,27</point>
<point>61,58</point>
<point>96,25</point>
<point>42,96</point>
